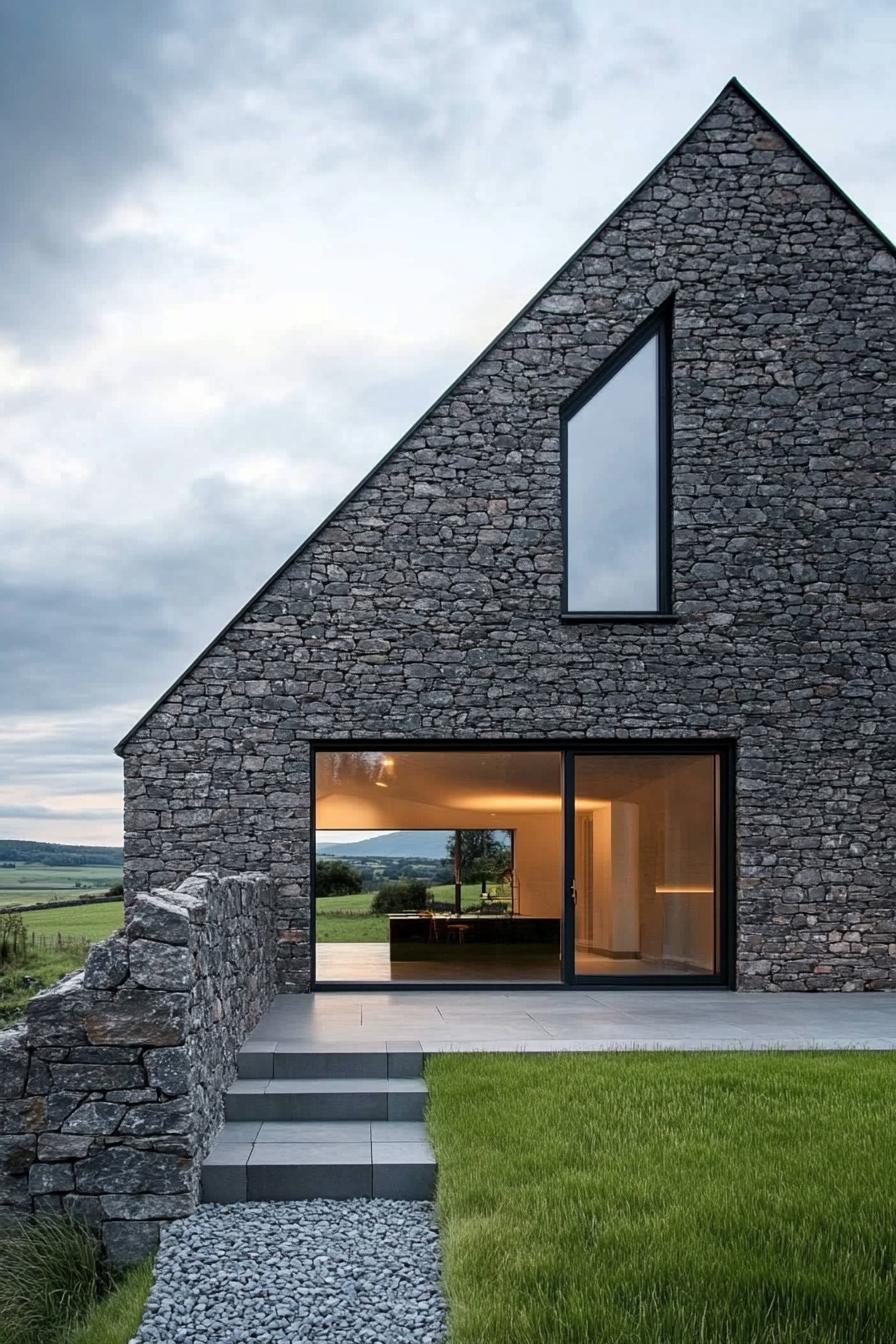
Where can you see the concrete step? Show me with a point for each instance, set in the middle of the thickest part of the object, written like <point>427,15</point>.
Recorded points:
<point>329,1098</point>
<point>285,1059</point>
<point>347,1159</point>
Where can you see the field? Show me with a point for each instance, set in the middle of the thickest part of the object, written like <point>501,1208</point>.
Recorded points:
<point>347,919</point>
<point>87,923</point>
<point>29,883</point>
<point>57,943</point>
<point>660,1198</point>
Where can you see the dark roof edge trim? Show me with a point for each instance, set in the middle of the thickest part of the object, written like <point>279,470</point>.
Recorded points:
<point>733,83</point>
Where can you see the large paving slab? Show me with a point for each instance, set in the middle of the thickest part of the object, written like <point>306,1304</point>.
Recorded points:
<point>434,1021</point>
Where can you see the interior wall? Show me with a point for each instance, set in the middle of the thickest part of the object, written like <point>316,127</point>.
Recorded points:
<point>649,888</point>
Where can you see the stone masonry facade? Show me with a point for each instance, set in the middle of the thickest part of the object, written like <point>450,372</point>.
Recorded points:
<point>429,606</point>
<point>112,1089</point>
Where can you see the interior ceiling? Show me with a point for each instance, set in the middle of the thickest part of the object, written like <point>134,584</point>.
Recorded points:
<point>525,781</point>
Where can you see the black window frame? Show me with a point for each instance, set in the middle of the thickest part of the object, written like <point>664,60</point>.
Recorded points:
<point>659,324</point>
<point>724,748</point>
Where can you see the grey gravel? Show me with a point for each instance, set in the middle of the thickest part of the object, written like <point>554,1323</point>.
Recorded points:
<point>361,1271</point>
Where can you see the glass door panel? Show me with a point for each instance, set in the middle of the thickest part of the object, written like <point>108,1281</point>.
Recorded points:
<point>645,864</point>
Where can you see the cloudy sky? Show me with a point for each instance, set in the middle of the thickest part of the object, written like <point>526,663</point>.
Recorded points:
<point>244,245</point>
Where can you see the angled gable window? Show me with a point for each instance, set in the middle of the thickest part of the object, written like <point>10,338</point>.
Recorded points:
<point>616,490</point>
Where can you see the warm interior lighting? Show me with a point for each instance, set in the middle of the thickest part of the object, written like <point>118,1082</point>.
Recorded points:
<point>517,802</point>
<point>385,772</point>
<point>685,891</point>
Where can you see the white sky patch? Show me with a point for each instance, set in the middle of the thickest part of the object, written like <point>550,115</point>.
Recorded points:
<point>347,837</point>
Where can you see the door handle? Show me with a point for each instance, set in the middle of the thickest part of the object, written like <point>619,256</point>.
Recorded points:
<point>574,893</point>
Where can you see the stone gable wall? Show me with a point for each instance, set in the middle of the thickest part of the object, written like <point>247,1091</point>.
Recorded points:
<point>111,1090</point>
<point>429,606</point>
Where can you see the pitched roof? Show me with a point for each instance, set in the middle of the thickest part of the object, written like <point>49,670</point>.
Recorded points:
<point>734,85</point>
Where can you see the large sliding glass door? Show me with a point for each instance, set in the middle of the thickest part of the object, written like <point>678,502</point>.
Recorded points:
<point>644,864</point>
<point>519,862</point>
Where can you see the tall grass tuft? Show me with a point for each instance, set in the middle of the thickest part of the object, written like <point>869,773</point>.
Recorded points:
<point>117,1317</point>
<point>51,1273</point>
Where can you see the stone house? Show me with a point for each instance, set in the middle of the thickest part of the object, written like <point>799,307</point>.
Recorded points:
<point>626,591</point>
<point>623,598</point>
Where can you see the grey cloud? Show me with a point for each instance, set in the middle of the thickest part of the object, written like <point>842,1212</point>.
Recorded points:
<point>71,648</point>
<point>81,86</point>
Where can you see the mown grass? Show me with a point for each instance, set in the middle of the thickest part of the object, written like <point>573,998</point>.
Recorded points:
<point>667,1198</point>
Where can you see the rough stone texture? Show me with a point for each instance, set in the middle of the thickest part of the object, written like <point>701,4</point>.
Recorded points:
<point>429,606</point>
<point>111,1091</point>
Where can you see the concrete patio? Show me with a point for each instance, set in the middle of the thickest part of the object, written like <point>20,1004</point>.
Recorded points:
<point>432,1021</point>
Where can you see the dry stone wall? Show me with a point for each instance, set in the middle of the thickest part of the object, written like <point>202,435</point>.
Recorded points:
<point>430,605</point>
<point>112,1088</point>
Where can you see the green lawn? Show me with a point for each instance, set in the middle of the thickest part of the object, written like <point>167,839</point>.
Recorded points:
<point>347,919</point>
<point>31,882</point>
<point>667,1199</point>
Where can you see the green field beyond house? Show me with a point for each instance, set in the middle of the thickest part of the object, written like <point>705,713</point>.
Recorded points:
<point>29,883</point>
<point>57,943</point>
<point>656,1198</point>
<point>87,923</point>
<point>347,919</point>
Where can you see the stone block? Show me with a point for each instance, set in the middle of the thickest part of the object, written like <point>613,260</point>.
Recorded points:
<point>27,1116</point>
<point>16,1154</point>
<point>54,1015</point>
<point>168,1117</point>
<point>129,1171</point>
<point>62,1147</point>
<point>140,1017</point>
<point>161,965</point>
<point>169,1070</point>
<point>13,1062</point>
<point>147,1206</point>
<point>51,1178</point>
<point>95,1077</point>
<point>106,966</point>
<point>127,1243</point>
<point>83,1209</point>
<point>94,1118</point>
<point>158,918</point>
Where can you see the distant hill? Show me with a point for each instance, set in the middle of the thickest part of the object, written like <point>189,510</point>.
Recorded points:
<point>60,856</point>
<point>396,845</point>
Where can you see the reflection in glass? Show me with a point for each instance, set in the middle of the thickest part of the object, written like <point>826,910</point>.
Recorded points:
<point>612,491</point>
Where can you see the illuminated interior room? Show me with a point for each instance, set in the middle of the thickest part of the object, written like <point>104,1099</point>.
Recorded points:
<point>619,882</point>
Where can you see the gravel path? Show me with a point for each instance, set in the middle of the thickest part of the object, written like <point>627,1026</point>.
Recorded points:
<point>360,1271</point>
